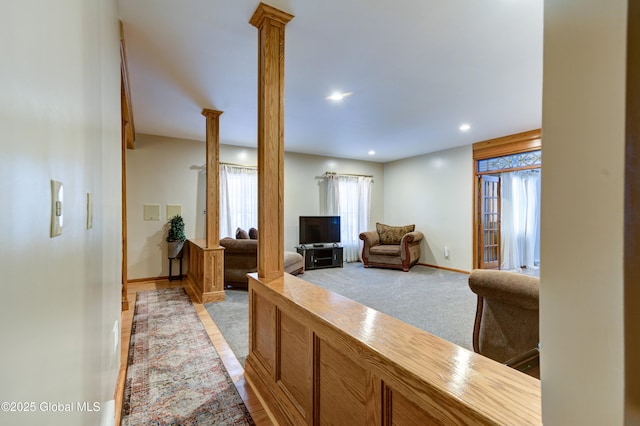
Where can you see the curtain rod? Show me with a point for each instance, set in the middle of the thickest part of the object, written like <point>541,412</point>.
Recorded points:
<point>238,165</point>
<point>345,174</point>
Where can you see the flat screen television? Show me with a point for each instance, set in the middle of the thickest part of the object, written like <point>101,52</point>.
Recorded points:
<point>319,230</point>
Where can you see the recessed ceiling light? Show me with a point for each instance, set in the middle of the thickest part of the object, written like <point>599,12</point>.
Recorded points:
<point>464,127</point>
<point>337,96</point>
<point>372,152</point>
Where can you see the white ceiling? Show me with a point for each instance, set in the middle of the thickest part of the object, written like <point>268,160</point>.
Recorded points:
<point>417,69</point>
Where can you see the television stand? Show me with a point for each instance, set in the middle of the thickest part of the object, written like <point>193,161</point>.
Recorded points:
<point>324,257</point>
<point>318,245</point>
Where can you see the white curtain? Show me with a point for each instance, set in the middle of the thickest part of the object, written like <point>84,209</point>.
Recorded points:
<point>520,230</point>
<point>350,198</point>
<point>238,199</point>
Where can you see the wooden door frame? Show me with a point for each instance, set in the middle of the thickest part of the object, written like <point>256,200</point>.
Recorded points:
<point>499,147</point>
<point>632,219</point>
<point>482,226</point>
<point>128,142</point>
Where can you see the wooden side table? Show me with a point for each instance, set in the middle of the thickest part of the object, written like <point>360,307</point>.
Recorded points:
<point>171,259</point>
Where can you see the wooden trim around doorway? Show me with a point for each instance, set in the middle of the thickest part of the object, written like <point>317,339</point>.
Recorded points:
<point>508,145</point>
<point>498,147</point>
<point>632,221</point>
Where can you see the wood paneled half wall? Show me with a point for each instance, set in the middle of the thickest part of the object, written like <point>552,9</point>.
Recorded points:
<point>206,271</point>
<point>316,357</point>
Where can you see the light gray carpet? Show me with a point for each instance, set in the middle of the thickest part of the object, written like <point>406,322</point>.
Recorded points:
<point>434,300</point>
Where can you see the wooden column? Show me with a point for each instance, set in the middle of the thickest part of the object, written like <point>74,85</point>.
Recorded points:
<point>206,257</point>
<point>125,279</point>
<point>270,23</point>
<point>213,177</point>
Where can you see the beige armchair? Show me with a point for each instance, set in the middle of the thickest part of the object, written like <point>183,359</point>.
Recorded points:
<point>395,247</point>
<point>507,316</point>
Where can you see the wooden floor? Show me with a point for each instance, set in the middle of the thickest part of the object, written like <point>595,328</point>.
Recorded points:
<point>259,414</point>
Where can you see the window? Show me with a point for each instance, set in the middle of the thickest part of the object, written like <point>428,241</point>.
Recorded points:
<point>238,199</point>
<point>350,197</point>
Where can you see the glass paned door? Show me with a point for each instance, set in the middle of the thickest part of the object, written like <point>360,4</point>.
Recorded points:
<point>489,220</point>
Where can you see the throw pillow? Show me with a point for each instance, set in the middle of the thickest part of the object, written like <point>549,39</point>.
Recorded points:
<point>253,233</point>
<point>392,234</point>
<point>241,234</point>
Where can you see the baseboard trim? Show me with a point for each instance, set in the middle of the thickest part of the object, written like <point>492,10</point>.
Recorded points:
<point>445,268</point>
<point>143,280</point>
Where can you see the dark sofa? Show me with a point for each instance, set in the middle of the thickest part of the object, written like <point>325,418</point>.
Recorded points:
<point>241,258</point>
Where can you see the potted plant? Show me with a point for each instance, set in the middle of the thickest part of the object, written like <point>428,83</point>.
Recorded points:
<point>175,236</point>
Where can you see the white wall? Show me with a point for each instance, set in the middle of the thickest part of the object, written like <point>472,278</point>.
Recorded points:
<point>302,193</point>
<point>161,171</point>
<point>434,191</point>
<point>581,307</point>
<point>60,119</point>
<point>149,180</point>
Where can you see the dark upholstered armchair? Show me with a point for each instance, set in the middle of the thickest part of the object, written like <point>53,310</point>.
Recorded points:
<point>507,315</point>
<point>391,246</point>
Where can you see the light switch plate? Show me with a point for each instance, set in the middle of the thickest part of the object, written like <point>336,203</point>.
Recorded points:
<point>89,210</point>
<point>173,210</point>
<point>57,195</point>
<point>152,212</point>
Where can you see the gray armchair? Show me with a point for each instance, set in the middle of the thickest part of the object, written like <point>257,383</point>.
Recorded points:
<point>395,247</point>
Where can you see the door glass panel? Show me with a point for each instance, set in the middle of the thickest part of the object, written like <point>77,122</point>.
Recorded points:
<point>489,238</point>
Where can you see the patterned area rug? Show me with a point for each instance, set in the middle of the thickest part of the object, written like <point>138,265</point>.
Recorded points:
<point>174,374</point>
